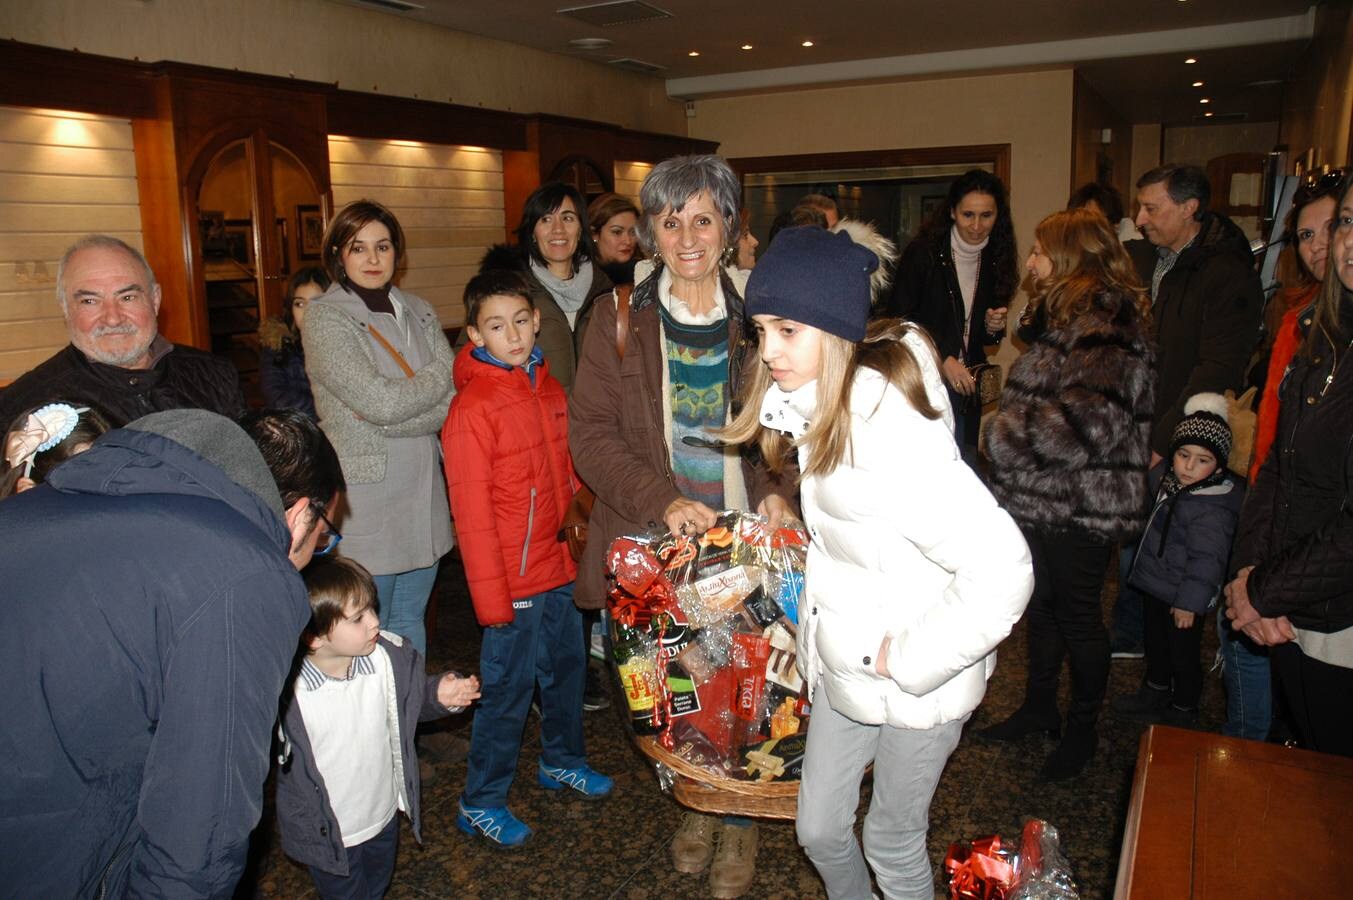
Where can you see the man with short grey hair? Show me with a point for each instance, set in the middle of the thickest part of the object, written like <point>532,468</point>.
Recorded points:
<point>116,360</point>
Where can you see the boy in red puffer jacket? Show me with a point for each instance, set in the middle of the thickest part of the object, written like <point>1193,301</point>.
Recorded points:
<point>510,478</point>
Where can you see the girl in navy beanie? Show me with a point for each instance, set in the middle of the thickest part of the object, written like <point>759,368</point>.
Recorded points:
<point>914,573</point>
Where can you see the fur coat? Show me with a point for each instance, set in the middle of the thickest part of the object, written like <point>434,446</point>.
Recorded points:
<point>1069,446</point>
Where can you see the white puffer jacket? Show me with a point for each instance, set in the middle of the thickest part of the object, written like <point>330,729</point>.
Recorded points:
<point>907,542</point>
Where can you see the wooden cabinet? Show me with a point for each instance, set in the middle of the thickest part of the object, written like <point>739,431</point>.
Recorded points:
<point>1218,817</point>
<point>223,167</point>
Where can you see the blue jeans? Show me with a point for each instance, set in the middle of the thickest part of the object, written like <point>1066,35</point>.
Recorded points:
<point>404,602</point>
<point>371,864</point>
<point>1249,689</point>
<point>1128,630</point>
<point>542,645</point>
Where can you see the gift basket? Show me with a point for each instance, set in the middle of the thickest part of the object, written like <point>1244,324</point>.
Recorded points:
<point>1032,868</point>
<point>703,632</point>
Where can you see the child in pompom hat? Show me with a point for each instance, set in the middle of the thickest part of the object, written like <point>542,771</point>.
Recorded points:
<point>1181,560</point>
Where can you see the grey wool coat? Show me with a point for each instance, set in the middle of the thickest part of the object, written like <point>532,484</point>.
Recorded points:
<point>1069,447</point>
<point>360,394</point>
<point>384,425</point>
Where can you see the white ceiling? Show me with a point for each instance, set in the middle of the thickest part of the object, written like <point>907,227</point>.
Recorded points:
<point>1131,50</point>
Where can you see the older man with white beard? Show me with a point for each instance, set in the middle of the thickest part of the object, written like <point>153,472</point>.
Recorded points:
<point>116,360</point>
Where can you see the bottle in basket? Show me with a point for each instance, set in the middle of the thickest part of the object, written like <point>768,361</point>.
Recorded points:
<point>634,657</point>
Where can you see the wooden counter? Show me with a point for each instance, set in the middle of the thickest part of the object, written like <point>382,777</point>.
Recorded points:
<point>1219,817</point>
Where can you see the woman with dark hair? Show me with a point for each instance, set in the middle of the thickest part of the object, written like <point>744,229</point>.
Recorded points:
<point>281,364</point>
<point>642,417</point>
<point>614,221</point>
<point>380,368</point>
<point>956,279</point>
<point>1105,200</point>
<point>555,251</point>
<point>1245,667</point>
<point>1293,553</point>
<point>1069,457</point>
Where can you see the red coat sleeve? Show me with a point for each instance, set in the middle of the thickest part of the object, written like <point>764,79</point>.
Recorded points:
<point>467,454</point>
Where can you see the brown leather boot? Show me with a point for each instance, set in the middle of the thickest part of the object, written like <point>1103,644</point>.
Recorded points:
<point>693,846</point>
<point>734,865</point>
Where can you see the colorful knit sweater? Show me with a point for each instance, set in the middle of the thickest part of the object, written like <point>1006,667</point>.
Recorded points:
<point>697,368</point>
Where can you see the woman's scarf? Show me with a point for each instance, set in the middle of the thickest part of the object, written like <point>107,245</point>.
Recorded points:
<point>569,293</point>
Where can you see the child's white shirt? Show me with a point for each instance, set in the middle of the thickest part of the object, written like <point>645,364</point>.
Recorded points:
<point>355,742</point>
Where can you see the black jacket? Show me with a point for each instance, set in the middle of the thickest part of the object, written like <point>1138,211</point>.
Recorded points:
<point>151,617</point>
<point>1206,318</point>
<point>281,370</point>
<point>1297,525</point>
<point>1182,557</point>
<point>182,378</point>
<point>925,291</point>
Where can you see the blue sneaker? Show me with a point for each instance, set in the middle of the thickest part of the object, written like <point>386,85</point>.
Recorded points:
<point>495,824</point>
<point>589,783</point>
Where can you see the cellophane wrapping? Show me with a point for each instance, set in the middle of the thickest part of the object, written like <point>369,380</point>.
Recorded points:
<point>1030,868</point>
<point>703,633</point>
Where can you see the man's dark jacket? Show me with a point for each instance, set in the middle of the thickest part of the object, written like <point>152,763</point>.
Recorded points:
<point>151,616</point>
<point>1206,318</point>
<point>182,378</point>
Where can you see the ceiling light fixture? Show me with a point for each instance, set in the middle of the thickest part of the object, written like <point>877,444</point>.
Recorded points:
<point>1208,115</point>
<point>1190,61</point>
<point>746,46</point>
<point>1205,100</point>
<point>694,53</point>
<point>1197,84</point>
<point>806,44</point>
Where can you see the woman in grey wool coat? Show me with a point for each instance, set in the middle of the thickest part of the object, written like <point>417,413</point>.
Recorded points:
<point>380,369</point>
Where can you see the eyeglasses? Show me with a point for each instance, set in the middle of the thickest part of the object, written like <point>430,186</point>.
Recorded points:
<point>330,536</point>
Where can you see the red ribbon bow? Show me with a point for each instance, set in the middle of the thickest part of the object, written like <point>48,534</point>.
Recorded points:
<point>977,872</point>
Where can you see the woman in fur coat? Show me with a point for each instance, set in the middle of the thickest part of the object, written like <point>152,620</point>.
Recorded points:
<point>1069,457</point>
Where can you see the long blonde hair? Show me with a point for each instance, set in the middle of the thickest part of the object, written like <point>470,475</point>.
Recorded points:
<point>829,433</point>
<point>1087,258</point>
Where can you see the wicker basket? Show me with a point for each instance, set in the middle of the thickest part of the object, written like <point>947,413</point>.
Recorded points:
<point>700,790</point>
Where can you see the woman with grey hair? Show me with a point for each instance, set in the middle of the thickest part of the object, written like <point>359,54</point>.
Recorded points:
<point>644,402</point>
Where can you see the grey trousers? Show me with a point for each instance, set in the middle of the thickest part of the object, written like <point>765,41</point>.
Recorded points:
<point>907,767</point>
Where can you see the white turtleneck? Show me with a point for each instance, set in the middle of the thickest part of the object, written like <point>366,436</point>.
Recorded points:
<point>967,260</point>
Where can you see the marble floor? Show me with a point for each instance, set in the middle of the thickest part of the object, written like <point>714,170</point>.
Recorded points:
<point>618,848</point>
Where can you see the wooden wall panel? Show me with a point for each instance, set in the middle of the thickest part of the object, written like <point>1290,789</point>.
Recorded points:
<point>448,199</point>
<point>62,176</point>
<point>629,177</point>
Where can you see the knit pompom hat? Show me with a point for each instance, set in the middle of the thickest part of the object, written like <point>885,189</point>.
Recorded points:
<point>815,277</point>
<point>1205,423</point>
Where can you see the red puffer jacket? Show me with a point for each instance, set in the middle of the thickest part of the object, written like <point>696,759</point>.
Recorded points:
<point>505,449</point>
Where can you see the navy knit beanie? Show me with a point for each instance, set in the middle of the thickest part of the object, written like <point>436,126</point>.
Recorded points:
<point>816,277</point>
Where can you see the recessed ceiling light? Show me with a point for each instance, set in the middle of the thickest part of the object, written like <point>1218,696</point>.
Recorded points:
<point>1190,61</point>
<point>1205,100</point>
<point>1197,84</point>
<point>694,53</point>
<point>746,46</point>
<point>807,44</point>
<point>1207,115</point>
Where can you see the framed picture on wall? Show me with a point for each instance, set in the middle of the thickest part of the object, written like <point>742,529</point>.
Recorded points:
<point>239,236</point>
<point>929,203</point>
<point>309,231</point>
